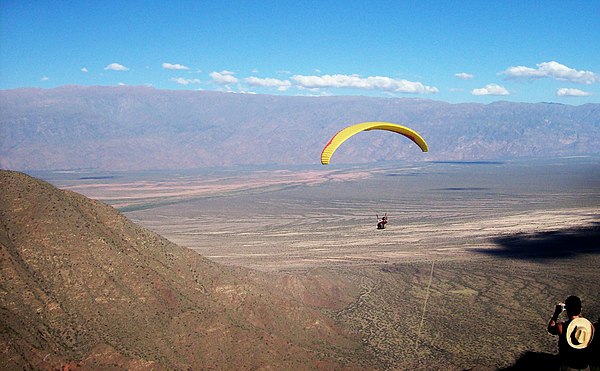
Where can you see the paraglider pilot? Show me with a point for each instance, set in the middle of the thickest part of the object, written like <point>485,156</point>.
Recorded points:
<point>381,222</point>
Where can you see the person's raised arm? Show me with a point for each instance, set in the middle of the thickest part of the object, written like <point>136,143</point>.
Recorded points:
<point>554,327</point>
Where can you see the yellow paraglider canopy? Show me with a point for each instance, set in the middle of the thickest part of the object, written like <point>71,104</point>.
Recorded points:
<point>346,133</point>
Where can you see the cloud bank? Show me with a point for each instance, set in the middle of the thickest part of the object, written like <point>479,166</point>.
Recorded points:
<point>325,84</point>
<point>365,83</point>
<point>552,70</point>
<point>319,82</point>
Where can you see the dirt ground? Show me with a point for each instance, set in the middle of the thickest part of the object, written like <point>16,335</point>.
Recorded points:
<point>466,274</point>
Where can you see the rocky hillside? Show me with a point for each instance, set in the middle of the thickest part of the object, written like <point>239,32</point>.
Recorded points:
<point>133,128</point>
<point>80,285</point>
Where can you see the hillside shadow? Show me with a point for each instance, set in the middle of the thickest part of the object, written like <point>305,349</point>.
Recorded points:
<point>559,244</point>
<point>535,361</point>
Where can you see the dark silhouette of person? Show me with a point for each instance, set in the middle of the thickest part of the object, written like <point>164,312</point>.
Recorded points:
<point>575,335</point>
<point>381,222</point>
<point>595,350</point>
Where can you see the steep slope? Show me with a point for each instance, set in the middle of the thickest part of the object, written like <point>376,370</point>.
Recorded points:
<point>81,285</point>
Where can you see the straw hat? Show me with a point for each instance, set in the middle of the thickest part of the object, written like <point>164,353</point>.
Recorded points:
<point>579,333</point>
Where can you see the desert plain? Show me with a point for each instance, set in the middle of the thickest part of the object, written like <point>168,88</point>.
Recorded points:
<point>465,276</point>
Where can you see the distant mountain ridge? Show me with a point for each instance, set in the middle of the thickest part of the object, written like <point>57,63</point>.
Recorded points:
<point>134,128</point>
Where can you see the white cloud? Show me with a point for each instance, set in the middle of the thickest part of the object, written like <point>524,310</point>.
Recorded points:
<point>552,70</point>
<point>522,72</point>
<point>317,94</point>
<point>368,83</point>
<point>116,67</point>
<point>464,75</point>
<point>45,78</point>
<point>281,85</point>
<point>490,89</point>
<point>223,77</point>
<point>183,81</point>
<point>177,67</point>
<point>315,91</point>
<point>83,69</point>
<point>567,92</point>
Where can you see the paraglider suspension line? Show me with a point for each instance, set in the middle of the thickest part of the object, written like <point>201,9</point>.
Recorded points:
<point>424,306</point>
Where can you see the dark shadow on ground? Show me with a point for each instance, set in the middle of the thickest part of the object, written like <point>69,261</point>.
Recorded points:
<point>535,361</point>
<point>545,361</point>
<point>560,244</point>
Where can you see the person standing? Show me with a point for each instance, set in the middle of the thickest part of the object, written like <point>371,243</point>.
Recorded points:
<point>574,335</point>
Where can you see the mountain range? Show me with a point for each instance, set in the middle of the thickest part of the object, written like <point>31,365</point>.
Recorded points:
<point>135,128</point>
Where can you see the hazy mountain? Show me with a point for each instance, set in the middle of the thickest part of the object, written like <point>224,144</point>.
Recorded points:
<point>140,128</point>
<point>81,285</point>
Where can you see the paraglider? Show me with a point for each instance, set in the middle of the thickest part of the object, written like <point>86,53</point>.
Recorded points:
<point>381,222</point>
<point>346,133</point>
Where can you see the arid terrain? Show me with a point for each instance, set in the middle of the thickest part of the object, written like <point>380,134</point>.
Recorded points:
<point>465,276</point>
<point>82,287</point>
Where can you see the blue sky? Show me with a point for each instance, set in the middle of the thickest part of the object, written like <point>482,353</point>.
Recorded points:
<point>454,51</point>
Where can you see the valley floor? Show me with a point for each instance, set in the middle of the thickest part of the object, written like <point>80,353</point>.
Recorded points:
<point>466,274</point>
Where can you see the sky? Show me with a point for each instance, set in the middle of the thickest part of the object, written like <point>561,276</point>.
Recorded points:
<point>454,51</point>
